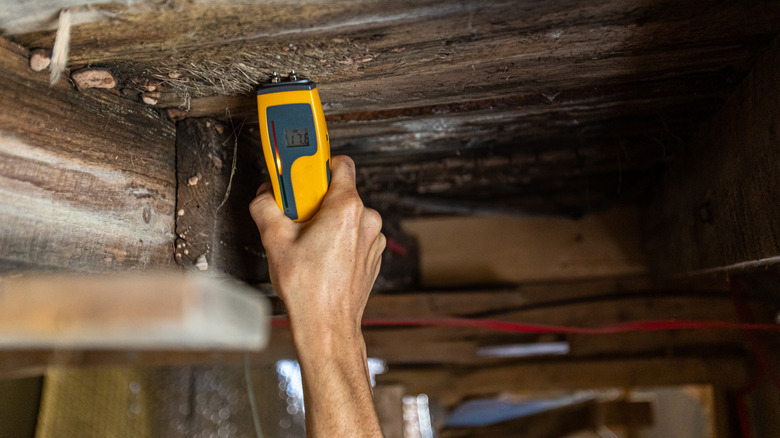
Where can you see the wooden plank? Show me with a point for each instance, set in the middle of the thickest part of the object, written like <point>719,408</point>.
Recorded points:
<point>596,303</point>
<point>214,229</point>
<point>474,250</point>
<point>154,311</point>
<point>450,384</point>
<point>717,209</point>
<point>86,179</point>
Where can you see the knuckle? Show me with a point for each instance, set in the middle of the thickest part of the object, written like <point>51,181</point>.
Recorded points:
<point>373,220</point>
<point>352,207</point>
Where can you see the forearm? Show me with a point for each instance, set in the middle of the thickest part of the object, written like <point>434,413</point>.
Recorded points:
<point>337,390</point>
<point>324,271</point>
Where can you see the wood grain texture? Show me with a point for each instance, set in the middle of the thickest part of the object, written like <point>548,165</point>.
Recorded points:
<point>86,179</point>
<point>719,206</point>
<point>612,87</point>
<point>213,224</point>
<point>453,49</point>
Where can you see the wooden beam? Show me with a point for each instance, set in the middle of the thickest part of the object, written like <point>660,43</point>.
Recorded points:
<point>214,230</point>
<point>86,179</point>
<point>717,209</point>
<point>451,384</point>
<point>454,50</point>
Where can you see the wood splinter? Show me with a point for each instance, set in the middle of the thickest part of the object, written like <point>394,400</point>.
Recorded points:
<point>93,78</point>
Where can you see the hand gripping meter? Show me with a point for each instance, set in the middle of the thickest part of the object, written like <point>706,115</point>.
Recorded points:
<point>295,144</point>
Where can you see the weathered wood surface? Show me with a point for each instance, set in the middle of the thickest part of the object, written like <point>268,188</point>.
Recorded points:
<point>368,51</point>
<point>582,104</point>
<point>86,179</point>
<point>214,230</point>
<point>718,208</point>
<point>450,384</point>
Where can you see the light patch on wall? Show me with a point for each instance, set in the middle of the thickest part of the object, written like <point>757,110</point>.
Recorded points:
<point>526,350</point>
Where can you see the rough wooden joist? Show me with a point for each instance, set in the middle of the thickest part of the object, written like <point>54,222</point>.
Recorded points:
<point>86,179</point>
<point>215,232</point>
<point>718,208</point>
<point>367,53</point>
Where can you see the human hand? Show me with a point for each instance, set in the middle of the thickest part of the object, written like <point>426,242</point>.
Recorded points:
<point>323,269</point>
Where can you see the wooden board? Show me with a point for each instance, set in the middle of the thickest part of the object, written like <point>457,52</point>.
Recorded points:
<point>86,179</point>
<point>480,250</point>
<point>718,208</point>
<point>156,311</point>
<point>594,303</point>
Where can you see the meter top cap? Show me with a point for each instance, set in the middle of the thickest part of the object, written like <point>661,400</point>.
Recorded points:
<point>292,84</point>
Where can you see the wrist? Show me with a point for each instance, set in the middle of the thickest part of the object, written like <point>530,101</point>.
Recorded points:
<point>327,338</point>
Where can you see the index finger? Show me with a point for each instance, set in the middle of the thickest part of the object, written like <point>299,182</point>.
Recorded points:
<point>264,209</point>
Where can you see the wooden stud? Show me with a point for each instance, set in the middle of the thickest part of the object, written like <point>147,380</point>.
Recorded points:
<point>717,209</point>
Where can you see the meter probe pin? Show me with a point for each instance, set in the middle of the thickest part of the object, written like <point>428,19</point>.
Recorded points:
<point>293,76</point>
<point>275,79</point>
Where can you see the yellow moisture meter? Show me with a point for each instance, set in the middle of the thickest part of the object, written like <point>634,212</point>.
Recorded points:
<point>295,144</point>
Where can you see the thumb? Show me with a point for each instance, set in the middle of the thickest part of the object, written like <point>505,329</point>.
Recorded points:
<point>264,210</point>
<point>342,180</point>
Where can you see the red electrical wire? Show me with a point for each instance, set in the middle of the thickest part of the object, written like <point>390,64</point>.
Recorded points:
<point>515,327</point>
<point>749,328</point>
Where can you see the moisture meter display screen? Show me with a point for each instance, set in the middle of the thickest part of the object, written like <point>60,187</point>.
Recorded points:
<point>296,137</point>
